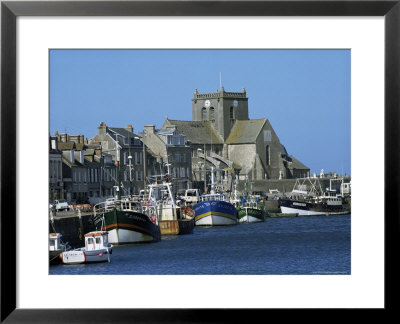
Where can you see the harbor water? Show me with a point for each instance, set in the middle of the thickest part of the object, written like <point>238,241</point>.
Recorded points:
<point>312,245</point>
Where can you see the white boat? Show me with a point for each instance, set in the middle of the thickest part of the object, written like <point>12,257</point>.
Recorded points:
<point>250,211</point>
<point>97,249</point>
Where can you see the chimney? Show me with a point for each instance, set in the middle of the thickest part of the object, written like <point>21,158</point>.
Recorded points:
<point>129,128</point>
<point>149,129</point>
<point>102,129</point>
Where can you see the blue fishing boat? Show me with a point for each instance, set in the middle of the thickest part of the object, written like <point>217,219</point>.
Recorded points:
<point>214,209</point>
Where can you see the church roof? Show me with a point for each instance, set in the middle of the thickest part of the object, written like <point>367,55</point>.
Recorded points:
<point>296,164</point>
<point>245,131</point>
<point>197,132</point>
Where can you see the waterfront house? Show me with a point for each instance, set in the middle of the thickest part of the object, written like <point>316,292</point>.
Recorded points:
<point>173,152</point>
<point>56,186</point>
<point>133,160</point>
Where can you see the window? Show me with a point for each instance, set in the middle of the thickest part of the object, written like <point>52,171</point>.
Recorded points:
<point>212,115</point>
<point>267,136</point>
<point>267,155</point>
<point>231,113</point>
<point>204,113</point>
<point>98,241</point>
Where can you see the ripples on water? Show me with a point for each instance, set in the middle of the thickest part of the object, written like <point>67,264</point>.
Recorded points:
<point>299,245</point>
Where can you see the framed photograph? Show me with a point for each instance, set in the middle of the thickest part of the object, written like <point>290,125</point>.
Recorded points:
<point>325,68</point>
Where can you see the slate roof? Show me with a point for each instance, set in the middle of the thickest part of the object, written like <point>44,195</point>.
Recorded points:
<point>296,164</point>
<point>197,132</point>
<point>125,134</point>
<point>66,146</point>
<point>245,131</point>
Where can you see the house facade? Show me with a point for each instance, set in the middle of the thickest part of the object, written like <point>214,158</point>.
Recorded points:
<point>56,185</point>
<point>133,160</point>
<point>173,153</point>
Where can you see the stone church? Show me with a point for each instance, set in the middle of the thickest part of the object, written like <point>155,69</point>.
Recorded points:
<point>222,135</point>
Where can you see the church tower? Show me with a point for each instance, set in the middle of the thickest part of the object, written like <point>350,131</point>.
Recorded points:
<point>221,108</point>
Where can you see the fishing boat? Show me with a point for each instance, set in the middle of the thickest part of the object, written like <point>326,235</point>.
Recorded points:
<point>314,203</point>
<point>214,208</point>
<point>250,211</point>
<point>126,221</point>
<point>171,219</point>
<point>96,249</point>
<point>56,247</point>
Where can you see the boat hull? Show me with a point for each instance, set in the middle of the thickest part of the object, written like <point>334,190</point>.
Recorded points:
<point>125,227</point>
<point>169,227</point>
<point>54,256</point>
<point>303,208</point>
<point>82,256</point>
<point>283,215</point>
<point>250,215</point>
<point>214,213</point>
<point>186,226</point>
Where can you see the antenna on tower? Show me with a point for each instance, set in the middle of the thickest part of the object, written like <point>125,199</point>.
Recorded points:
<point>220,81</point>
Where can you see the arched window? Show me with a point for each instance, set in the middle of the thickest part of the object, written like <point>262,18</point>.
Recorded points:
<point>204,113</point>
<point>267,155</point>
<point>231,113</point>
<point>212,115</point>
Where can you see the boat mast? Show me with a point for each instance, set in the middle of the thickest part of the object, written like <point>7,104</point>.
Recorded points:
<point>212,191</point>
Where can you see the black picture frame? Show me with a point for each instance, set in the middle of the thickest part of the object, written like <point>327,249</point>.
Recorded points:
<point>10,10</point>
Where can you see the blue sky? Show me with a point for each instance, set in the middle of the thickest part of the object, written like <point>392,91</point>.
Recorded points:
<point>305,94</point>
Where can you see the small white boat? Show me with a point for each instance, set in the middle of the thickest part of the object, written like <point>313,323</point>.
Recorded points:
<point>97,249</point>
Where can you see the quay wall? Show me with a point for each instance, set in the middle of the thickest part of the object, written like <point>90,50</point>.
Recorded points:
<point>72,228</point>
<point>272,206</point>
<point>283,185</point>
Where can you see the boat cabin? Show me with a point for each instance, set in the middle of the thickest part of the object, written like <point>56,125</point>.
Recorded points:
<point>54,241</point>
<point>192,196</point>
<point>96,240</point>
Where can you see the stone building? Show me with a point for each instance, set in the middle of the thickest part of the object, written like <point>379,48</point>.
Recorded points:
<point>75,177</point>
<point>56,186</point>
<point>173,153</point>
<point>221,129</point>
<point>134,163</point>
